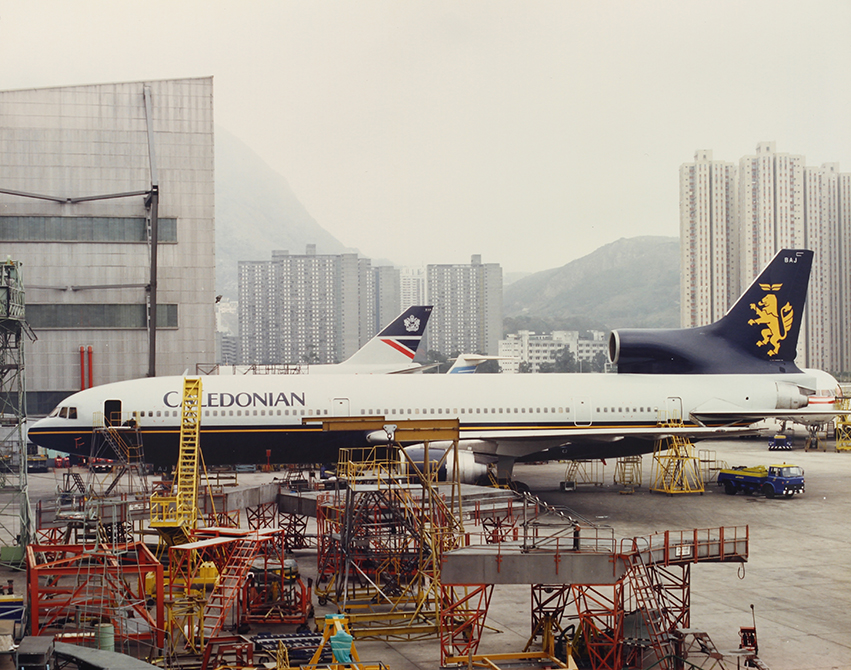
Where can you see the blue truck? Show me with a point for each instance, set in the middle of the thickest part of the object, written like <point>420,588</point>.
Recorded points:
<point>772,480</point>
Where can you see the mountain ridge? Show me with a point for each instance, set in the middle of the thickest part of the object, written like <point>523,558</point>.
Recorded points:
<point>632,282</point>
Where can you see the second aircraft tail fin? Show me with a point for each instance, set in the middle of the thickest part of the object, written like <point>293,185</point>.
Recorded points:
<point>759,334</point>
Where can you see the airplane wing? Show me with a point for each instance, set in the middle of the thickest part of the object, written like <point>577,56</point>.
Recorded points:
<point>731,416</point>
<point>598,434</point>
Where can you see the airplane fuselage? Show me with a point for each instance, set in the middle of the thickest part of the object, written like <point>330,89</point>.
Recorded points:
<point>244,416</point>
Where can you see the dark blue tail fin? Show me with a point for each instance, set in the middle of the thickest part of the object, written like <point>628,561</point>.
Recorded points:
<point>759,334</point>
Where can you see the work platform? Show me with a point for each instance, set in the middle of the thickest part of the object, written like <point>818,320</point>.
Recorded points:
<point>589,557</point>
<point>474,499</point>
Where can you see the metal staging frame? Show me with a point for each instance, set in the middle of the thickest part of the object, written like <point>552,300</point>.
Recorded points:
<point>249,582</point>
<point>73,587</point>
<point>16,526</point>
<point>843,427</point>
<point>635,621</point>
<point>125,442</point>
<point>629,610</point>
<point>675,467</point>
<point>381,541</point>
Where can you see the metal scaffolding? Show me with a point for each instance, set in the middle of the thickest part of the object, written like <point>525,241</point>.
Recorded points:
<point>843,427</point>
<point>675,467</point>
<point>15,513</point>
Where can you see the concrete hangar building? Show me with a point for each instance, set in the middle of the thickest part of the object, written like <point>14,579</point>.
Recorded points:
<point>89,175</point>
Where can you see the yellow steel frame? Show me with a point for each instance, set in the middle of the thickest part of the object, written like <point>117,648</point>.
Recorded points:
<point>628,472</point>
<point>675,467</point>
<point>843,427</point>
<point>585,471</point>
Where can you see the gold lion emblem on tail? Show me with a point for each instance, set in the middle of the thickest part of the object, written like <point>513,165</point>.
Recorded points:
<point>777,322</point>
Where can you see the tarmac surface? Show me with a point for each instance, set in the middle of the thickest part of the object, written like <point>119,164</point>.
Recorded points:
<point>797,577</point>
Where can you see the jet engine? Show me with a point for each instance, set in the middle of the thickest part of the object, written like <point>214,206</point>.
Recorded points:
<point>469,470</point>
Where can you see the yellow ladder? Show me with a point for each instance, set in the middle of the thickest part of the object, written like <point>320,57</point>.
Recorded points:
<point>175,516</point>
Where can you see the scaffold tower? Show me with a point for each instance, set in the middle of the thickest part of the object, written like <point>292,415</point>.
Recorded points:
<point>15,514</point>
<point>843,427</point>
<point>675,467</point>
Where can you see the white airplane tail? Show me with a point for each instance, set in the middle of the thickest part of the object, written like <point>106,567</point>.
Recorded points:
<point>394,347</point>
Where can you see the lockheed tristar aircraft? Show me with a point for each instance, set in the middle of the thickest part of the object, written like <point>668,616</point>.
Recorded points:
<point>713,380</point>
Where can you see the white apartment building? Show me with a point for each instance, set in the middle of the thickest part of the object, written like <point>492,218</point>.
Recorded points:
<point>467,299</point>
<point>309,308</point>
<point>709,239</point>
<point>528,347</point>
<point>776,202</point>
<point>412,287</point>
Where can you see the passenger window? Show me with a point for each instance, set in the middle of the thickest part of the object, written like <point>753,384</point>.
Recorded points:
<point>158,412</point>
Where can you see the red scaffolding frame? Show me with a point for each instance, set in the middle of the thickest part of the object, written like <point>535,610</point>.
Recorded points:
<point>72,586</point>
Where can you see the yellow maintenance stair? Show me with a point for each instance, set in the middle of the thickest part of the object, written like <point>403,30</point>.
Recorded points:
<point>175,516</point>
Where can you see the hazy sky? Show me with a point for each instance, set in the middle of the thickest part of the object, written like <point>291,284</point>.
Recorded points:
<point>423,132</point>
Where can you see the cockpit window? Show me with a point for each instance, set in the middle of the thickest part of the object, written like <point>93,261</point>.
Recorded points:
<point>72,412</point>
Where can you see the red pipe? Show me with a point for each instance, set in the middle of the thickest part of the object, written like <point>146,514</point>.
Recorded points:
<point>91,383</point>
<point>82,369</point>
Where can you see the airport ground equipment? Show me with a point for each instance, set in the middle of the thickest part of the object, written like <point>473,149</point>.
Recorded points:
<point>176,515</point>
<point>628,473</point>
<point>628,599</point>
<point>15,514</point>
<point>843,427</point>
<point>117,449</point>
<point>780,442</point>
<point>71,588</point>
<point>773,480</point>
<point>582,471</point>
<point>675,466</point>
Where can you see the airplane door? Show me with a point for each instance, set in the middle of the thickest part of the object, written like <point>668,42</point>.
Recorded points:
<point>581,411</point>
<point>112,412</point>
<point>674,409</point>
<point>341,407</point>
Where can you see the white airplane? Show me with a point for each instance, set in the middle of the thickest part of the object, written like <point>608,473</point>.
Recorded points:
<point>466,364</point>
<point>685,375</point>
